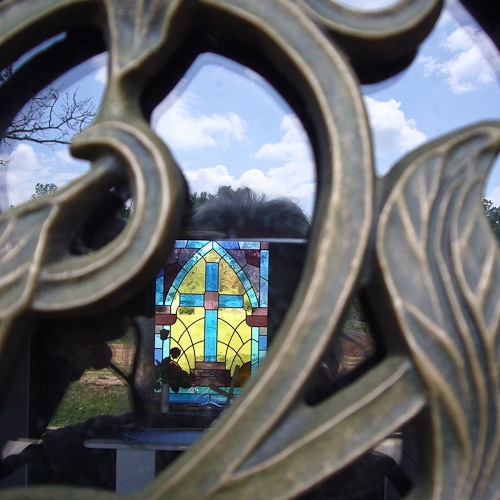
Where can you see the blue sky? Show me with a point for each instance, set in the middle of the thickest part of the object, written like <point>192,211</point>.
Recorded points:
<point>225,125</point>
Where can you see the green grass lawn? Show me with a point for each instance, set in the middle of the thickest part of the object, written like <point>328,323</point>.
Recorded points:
<point>85,400</point>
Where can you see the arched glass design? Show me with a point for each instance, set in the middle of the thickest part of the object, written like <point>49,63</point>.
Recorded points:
<point>212,298</point>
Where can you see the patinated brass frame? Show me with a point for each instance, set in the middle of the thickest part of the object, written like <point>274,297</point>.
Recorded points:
<point>415,241</point>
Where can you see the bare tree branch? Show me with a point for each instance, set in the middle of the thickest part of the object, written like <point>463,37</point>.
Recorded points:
<point>51,118</point>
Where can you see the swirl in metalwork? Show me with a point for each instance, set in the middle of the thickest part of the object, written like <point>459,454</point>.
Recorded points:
<point>418,238</point>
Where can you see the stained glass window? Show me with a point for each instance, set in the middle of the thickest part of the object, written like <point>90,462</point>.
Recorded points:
<point>212,298</point>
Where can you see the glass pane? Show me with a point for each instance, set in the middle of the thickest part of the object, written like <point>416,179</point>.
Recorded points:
<point>34,154</point>
<point>452,83</point>
<point>226,126</point>
<point>218,300</point>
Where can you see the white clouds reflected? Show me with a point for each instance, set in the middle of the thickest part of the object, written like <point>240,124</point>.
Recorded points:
<point>28,167</point>
<point>184,128</point>
<point>393,133</point>
<point>218,144</point>
<point>289,169</point>
<point>468,66</point>
<point>494,196</point>
<point>29,163</point>
<point>367,5</point>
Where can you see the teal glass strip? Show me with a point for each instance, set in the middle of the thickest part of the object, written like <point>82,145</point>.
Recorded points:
<point>220,250</point>
<point>230,300</point>
<point>234,265</point>
<point>253,298</point>
<point>255,333</point>
<point>264,264</point>
<point>170,296</point>
<point>160,285</point>
<point>263,293</point>
<point>243,278</point>
<point>196,243</point>
<point>212,277</point>
<point>205,248</point>
<point>180,276</point>
<point>237,269</point>
<point>191,262</point>
<point>249,245</point>
<point>254,348</point>
<point>191,300</point>
<point>158,341</point>
<point>183,272</point>
<point>210,335</point>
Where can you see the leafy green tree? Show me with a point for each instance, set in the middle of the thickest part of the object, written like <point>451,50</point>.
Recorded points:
<point>493,215</point>
<point>125,211</point>
<point>43,189</point>
<point>197,200</point>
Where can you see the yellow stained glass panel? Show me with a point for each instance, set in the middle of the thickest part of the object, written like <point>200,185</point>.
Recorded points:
<point>233,337</point>
<point>188,333</point>
<point>229,283</point>
<point>194,282</point>
<point>212,256</point>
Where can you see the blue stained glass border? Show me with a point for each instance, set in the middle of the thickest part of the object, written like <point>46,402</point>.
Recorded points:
<point>249,245</point>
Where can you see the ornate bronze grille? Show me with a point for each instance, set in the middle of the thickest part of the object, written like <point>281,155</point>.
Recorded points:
<point>415,242</point>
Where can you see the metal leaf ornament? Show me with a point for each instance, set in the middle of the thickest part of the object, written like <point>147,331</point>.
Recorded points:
<point>441,264</point>
<point>271,444</point>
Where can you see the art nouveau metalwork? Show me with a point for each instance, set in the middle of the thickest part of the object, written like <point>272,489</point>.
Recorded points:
<point>414,241</point>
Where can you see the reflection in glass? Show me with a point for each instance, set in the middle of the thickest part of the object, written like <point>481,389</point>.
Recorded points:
<point>368,5</point>
<point>34,153</point>
<point>227,126</point>
<point>213,297</point>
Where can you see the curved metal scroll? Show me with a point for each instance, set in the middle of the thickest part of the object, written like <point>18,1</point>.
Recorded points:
<point>410,234</point>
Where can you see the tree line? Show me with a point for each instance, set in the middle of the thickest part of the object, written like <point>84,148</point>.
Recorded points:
<point>493,215</point>
<point>491,211</point>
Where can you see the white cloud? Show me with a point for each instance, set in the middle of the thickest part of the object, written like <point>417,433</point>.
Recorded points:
<point>22,172</point>
<point>209,179</point>
<point>394,133</point>
<point>368,5</point>
<point>293,146</point>
<point>495,196</point>
<point>99,64</point>
<point>102,75</point>
<point>183,129</point>
<point>472,62</point>
<point>254,76</point>
<point>292,174</point>
<point>28,167</point>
